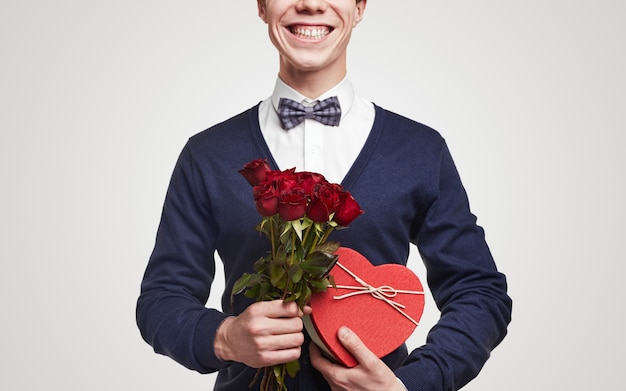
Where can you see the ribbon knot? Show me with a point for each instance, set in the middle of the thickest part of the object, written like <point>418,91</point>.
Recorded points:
<point>383,292</point>
<point>292,113</point>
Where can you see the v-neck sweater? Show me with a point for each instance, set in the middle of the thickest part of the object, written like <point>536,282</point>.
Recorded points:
<point>406,182</point>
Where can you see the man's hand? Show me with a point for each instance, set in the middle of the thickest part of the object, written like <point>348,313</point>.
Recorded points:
<point>369,374</point>
<point>266,333</point>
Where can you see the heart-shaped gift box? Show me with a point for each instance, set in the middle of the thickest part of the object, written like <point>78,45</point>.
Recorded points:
<point>381,304</point>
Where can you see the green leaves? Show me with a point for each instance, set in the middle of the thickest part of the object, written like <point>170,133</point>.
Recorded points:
<point>256,285</point>
<point>242,283</point>
<point>318,264</point>
<point>297,267</point>
<point>292,367</point>
<point>327,247</point>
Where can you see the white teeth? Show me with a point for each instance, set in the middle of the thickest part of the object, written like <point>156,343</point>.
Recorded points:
<point>316,32</point>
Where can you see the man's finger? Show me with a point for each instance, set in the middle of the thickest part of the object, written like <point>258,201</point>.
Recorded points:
<point>319,362</point>
<point>276,309</point>
<point>355,346</point>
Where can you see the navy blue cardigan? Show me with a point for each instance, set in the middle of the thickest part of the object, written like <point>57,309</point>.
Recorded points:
<point>404,179</point>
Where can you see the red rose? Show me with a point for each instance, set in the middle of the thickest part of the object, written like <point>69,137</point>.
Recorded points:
<point>324,203</point>
<point>287,183</point>
<point>277,176</point>
<point>256,171</point>
<point>309,180</point>
<point>266,199</point>
<point>292,204</point>
<point>348,210</point>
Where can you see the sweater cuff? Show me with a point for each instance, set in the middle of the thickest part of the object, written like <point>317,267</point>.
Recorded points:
<point>204,340</point>
<point>419,377</point>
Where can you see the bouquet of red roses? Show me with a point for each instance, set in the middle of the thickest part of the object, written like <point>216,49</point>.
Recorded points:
<point>299,211</point>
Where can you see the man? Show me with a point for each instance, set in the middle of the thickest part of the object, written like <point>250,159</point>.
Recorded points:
<point>401,174</point>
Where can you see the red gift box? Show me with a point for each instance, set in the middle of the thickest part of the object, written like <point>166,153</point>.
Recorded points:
<point>381,304</point>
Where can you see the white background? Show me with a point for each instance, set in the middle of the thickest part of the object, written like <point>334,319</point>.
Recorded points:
<point>98,97</point>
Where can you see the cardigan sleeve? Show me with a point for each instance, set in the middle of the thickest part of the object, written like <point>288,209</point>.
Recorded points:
<point>466,286</point>
<point>171,312</point>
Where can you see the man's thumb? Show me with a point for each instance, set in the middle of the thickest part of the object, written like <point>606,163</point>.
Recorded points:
<point>354,345</point>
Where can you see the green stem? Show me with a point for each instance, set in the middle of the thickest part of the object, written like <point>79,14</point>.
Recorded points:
<point>281,377</point>
<point>314,244</point>
<point>273,239</point>
<point>292,260</point>
<point>327,233</point>
<point>265,381</point>
<point>306,236</point>
<point>293,248</point>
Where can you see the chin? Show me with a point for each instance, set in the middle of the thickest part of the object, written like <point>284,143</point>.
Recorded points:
<point>310,62</point>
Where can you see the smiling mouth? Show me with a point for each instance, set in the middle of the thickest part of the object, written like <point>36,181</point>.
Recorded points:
<point>310,32</point>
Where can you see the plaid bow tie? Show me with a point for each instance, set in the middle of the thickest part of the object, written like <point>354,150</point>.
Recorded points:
<point>292,113</point>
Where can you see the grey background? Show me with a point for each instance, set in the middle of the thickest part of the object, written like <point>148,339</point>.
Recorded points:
<point>98,97</point>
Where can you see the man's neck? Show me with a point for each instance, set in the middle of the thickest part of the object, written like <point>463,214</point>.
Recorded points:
<point>311,84</point>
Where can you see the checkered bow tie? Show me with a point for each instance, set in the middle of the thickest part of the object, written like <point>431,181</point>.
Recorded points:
<point>292,113</point>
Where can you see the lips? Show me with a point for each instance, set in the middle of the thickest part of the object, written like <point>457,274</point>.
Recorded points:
<point>310,32</point>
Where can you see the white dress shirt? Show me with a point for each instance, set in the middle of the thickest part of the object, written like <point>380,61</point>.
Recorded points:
<point>312,146</point>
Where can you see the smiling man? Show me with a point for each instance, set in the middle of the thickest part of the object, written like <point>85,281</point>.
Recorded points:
<point>402,175</point>
<point>311,38</point>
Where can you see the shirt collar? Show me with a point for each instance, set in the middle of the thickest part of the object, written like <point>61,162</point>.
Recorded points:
<point>344,92</point>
